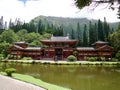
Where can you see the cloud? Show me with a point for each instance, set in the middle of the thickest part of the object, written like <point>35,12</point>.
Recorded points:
<point>61,8</point>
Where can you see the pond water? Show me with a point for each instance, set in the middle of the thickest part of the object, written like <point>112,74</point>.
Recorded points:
<point>75,77</point>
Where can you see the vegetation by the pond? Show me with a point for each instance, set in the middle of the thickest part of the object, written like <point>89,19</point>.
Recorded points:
<point>71,58</point>
<point>52,62</point>
<point>37,82</point>
<point>10,71</point>
<point>26,58</point>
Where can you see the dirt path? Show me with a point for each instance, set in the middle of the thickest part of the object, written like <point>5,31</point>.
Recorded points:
<point>7,83</point>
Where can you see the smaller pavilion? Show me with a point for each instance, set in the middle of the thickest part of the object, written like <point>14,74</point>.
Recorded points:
<point>21,49</point>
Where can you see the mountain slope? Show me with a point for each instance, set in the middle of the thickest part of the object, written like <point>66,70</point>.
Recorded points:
<point>68,23</point>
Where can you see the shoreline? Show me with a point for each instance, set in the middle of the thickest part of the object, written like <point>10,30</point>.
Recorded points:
<point>61,62</point>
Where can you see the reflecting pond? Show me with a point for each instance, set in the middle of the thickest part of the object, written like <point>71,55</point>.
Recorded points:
<point>76,77</point>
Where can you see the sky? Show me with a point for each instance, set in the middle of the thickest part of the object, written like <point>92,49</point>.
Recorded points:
<point>29,9</point>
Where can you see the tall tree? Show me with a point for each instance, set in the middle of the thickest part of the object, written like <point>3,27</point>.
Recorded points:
<point>85,36</point>
<point>100,31</point>
<point>61,33</point>
<point>95,32</point>
<point>31,27</point>
<point>91,34</point>
<point>1,23</point>
<point>106,29</point>
<point>73,34</point>
<point>79,34</point>
<point>40,27</point>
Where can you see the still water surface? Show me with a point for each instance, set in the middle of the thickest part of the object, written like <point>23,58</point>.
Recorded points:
<point>72,76</point>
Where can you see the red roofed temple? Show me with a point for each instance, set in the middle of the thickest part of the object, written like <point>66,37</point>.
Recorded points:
<point>60,47</point>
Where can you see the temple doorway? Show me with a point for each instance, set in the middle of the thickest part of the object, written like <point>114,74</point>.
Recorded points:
<point>58,53</point>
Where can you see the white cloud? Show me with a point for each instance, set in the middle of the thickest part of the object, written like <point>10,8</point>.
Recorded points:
<point>62,8</point>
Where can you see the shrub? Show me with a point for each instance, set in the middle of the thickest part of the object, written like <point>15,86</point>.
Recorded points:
<point>117,55</point>
<point>27,58</point>
<point>1,56</point>
<point>103,58</point>
<point>9,71</point>
<point>71,58</point>
<point>115,59</point>
<point>91,58</point>
<point>75,53</point>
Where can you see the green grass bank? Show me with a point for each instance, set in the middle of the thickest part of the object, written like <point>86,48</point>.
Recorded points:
<point>52,62</point>
<point>38,82</point>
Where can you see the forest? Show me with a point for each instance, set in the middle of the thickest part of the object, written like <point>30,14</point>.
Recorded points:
<point>41,27</point>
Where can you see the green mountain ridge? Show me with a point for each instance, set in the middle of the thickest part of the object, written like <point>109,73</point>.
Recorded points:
<point>68,23</point>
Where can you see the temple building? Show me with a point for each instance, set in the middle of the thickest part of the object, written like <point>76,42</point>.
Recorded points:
<point>60,47</point>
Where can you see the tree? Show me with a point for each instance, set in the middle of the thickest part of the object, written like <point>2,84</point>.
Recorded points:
<point>106,29</point>
<point>46,35</point>
<point>79,34</point>
<point>16,26</point>
<point>1,23</point>
<point>100,31</point>
<point>21,34</point>
<point>95,32</point>
<point>91,34</point>
<point>94,3</point>
<point>40,27</point>
<point>10,24</point>
<point>118,55</point>
<point>51,31</point>
<point>72,34</point>
<point>115,40</point>
<point>82,3</point>
<point>9,71</point>
<point>85,36</point>
<point>30,37</point>
<point>8,36</point>
<point>58,31</point>
<point>32,27</point>
<point>3,48</point>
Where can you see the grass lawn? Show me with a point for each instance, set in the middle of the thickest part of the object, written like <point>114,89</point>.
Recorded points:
<point>37,82</point>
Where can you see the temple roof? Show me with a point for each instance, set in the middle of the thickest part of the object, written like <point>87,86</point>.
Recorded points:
<point>100,42</point>
<point>106,47</point>
<point>33,48</point>
<point>17,46</point>
<point>86,48</point>
<point>59,38</point>
<point>22,42</point>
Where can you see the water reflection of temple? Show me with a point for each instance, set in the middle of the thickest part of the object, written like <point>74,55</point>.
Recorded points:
<point>60,48</point>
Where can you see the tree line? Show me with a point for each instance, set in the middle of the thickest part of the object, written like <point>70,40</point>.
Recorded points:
<point>91,33</point>
<point>32,32</point>
<point>86,34</point>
